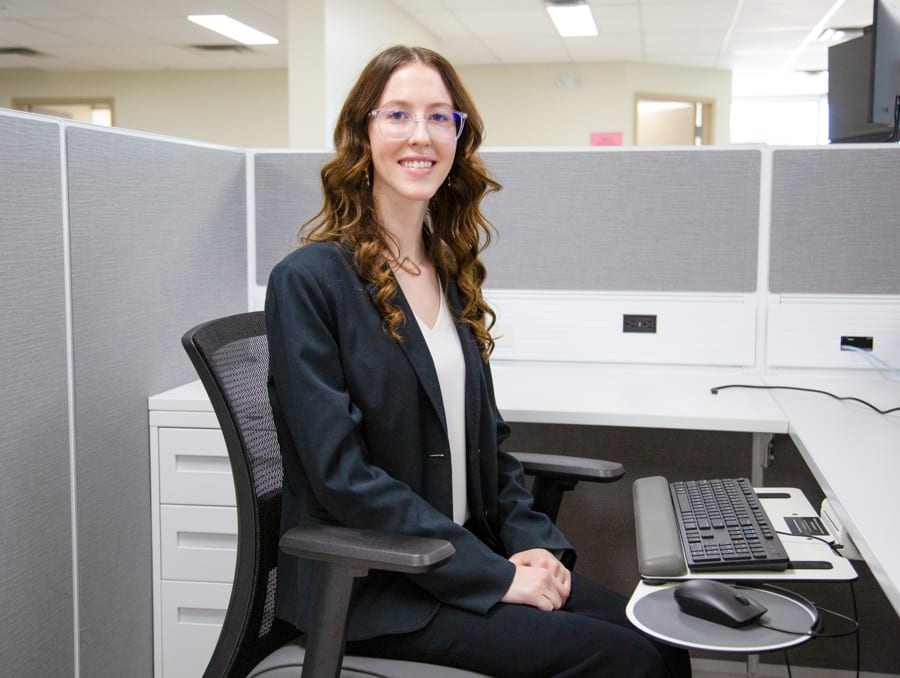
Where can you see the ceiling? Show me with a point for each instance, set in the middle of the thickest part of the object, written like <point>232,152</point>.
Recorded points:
<point>738,35</point>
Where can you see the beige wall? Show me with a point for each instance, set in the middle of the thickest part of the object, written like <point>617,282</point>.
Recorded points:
<point>246,108</point>
<point>522,105</point>
<point>530,105</point>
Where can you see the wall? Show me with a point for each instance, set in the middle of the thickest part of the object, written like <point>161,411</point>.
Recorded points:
<point>245,108</point>
<point>521,104</point>
<point>526,105</point>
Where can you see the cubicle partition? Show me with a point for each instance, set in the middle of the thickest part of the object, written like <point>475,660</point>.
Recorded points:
<point>36,553</point>
<point>585,237</point>
<point>158,244</point>
<point>835,255</point>
<point>287,194</point>
<point>141,237</point>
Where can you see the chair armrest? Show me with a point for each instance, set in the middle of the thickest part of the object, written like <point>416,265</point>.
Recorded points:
<point>343,554</point>
<point>365,549</point>
<point>570,468</point>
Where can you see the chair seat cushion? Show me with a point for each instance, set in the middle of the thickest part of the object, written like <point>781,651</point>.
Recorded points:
<point>286,662</point>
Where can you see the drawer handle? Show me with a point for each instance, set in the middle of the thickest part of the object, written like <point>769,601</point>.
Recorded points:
<point>198,463</point>
<point>201,615</point>
<point>206,540</point>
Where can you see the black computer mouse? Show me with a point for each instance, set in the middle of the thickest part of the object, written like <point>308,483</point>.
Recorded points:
<point>717,602</point>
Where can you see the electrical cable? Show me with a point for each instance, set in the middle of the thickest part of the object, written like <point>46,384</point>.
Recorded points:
<point>835,547</point>
<point>872,358</point>
<point>787,662</point>
<point>715,389</point>
<point>812,633</point>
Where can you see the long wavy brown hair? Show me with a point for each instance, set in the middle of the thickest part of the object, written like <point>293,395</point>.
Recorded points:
<point>455,230</point>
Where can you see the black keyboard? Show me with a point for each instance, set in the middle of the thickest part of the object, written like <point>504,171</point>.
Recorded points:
<point>723,526</point>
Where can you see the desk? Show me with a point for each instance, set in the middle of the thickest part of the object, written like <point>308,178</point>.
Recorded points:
<point>854,455</point>
<point>853,452</point>
<point>641,397</point>
<point>830,435</point>
<point>644,397</point>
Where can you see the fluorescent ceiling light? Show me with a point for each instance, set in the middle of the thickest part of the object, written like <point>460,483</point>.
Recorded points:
<point>235,30</point>
<point>572,19</point>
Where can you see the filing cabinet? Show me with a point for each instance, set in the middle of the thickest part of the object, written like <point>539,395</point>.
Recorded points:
<point>194,525</point>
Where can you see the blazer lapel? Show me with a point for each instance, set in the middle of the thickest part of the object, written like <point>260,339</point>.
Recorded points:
<point>416,350</point>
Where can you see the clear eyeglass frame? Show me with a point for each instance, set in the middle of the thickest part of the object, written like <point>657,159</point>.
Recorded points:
<point>403,128</point>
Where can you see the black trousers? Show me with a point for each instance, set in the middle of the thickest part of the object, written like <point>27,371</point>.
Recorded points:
<point>590,636</point>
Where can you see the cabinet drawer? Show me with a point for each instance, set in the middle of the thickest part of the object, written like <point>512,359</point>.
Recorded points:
<point>192,616</point>
<point>194,467</point>
<point>198,543</point>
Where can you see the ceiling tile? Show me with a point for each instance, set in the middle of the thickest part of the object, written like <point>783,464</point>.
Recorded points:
<point>103,56</point>
<point>500,24</point>
<point>618,47</point>
<point>530,50</point>
<point>776,41</point>
<point>442,24</point>
<point>460,5</point>
<point>617,19</point>
<point>90,31</point>
<point>36,9</point>
<point>467,51</point>
<point>767,15</point>
<point>660,44</point>
<point>22,34</point>
<point>420,5</point>
<point>689,16</point>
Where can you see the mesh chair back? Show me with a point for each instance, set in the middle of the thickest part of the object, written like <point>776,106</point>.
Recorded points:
<point>231,356</point>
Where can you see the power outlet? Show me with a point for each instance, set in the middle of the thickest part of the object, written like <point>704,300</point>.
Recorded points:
<point>639,323</point>
<point>862,343</point>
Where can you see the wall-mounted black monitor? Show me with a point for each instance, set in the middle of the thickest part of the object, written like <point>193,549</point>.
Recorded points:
<point>885,61</point>
<point>864,80</point>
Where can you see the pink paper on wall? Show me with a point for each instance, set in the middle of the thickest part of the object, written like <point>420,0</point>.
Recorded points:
<point>606,138</point>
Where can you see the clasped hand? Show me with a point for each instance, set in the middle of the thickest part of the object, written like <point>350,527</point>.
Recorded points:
<point>540,580</point>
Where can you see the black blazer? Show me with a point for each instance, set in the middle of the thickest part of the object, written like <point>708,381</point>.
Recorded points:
<point>365,445</point>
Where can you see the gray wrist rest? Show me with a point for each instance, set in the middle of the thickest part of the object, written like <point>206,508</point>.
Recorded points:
<point>658,543</point>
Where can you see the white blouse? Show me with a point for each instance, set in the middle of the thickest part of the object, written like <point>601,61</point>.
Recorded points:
<point>446,353</point>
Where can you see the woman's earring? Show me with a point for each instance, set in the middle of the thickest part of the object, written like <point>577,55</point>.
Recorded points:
<point>449,183</point>
<point>367,179</point>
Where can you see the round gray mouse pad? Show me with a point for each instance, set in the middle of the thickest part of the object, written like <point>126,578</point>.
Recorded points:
<point>658,612</point>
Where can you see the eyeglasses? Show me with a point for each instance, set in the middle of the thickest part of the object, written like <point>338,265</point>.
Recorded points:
<point>396,124</point>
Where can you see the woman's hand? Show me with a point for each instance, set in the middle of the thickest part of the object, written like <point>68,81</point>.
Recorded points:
<point>540,580</point>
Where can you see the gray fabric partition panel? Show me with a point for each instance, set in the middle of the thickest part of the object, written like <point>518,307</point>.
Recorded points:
<point>836,221</point>
<point>658,220</point>
<point>35,516</point>
<point>158,243</point>
<point>638,221</point>
<point>288,194</point>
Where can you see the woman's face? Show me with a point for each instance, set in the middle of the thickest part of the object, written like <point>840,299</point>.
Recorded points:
<point>410,169</point>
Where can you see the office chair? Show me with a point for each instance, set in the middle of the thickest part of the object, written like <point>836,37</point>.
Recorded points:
<point>231,357</point>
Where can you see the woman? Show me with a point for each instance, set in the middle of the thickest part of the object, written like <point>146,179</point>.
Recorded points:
<point>379,339</point>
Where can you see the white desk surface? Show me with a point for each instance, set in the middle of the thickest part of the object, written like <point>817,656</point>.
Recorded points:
<point>584,393</point>
<point>645,397</point>
<point>854,454</point>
